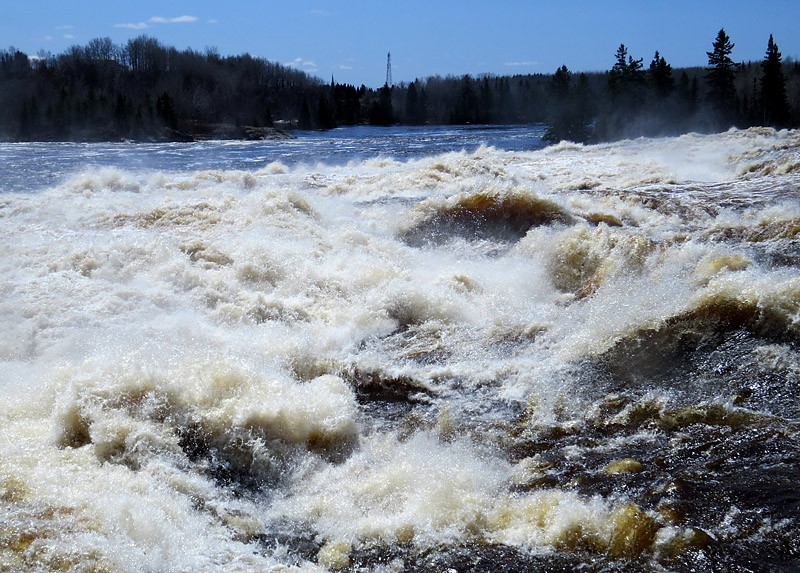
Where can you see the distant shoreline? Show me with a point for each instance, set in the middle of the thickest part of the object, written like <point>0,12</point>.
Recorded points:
<point>196,131</point>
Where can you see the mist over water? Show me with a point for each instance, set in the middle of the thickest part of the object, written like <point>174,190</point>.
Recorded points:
<point>390,350</point>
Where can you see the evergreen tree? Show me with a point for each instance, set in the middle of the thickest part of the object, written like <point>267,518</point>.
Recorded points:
<point>305,115</point>
<point>721,78</point>
<point>775,107</point>
<point>504,103</point>
<point>465,110</point>
<point>485,102</point>
<point>324,115</point>
<point>625,97</point>
<point>661,107</point>
<point>569,109</point>
<point>626,78</point>
<point>381,112</point>
<point>559,116</point>
<point>584,110</point>
<point>686,100</point>
<point>660,77</point>
<point>415,112</point>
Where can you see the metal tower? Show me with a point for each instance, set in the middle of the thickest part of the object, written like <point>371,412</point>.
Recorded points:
<point>389,69</point>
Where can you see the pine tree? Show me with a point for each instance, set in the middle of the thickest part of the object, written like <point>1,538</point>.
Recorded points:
<point>721,81</point>
<point>773,88</point>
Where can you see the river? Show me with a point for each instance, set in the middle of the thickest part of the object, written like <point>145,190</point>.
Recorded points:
<point>408,349</point>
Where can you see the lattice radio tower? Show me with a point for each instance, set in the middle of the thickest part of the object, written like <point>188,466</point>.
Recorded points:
<point>389,69</point>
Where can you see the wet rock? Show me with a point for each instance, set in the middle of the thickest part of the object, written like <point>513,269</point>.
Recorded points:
<point>623,466</point>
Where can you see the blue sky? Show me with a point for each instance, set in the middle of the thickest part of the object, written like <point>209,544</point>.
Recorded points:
<point>350,40</point>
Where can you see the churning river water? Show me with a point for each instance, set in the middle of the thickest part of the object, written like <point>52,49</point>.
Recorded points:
<point>394,350</point>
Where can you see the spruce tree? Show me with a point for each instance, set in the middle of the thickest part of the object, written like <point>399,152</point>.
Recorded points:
<point>686,104</point>
<point>559,109</point>
<point>626,77</point>
<point>661,105</point>
<point>775,107</point>
<point>584,110</point>
<point>415,109</point>
<point>721,81</point>
<point>382,112</point>
<point>625,98</point>
<point>660,77</point>
<point>569,109</point>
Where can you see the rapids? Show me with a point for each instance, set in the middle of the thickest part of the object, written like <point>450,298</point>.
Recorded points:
<point>405,357</point>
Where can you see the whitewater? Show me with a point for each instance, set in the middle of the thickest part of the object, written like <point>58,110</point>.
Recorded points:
<point>401,350</point>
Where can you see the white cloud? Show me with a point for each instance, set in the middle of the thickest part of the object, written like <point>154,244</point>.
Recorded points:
<point>213,21</point>
<point>301,63</point>
<point>48,38</point>
<point>521,63</point>
<point>308,66</point>
<point>65,27</point>
<point>158,20</point>
<point>178,20</point>
<point>343,67</point>
<point>69,37</point>
<point>137,26</point>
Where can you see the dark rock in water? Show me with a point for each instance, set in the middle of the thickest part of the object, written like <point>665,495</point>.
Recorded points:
<point>170,134</point>
<point>259,133</point>
<point>200,130</point>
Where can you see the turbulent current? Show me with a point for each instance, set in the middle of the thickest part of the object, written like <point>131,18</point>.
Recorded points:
<point>493,359</point>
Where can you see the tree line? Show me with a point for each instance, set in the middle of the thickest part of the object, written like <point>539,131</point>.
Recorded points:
<point>143,90</point>
<point>631,101</point>
<point>139,90</point>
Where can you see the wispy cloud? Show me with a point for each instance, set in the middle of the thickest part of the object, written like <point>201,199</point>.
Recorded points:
<point>343,67</point>
<point>69,37</point>
<point>531,63</point>
<point>137,26</point>
<point>157,20</point>
<point>213,21</point>
<point>305,65</point>
<point>322,13</point>
<point>178,20</point>
<point>65,27</point>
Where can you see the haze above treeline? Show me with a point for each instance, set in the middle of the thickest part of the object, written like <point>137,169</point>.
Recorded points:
<point>146,91</point>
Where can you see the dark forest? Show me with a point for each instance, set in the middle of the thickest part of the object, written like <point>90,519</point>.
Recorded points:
<point>145,91</point>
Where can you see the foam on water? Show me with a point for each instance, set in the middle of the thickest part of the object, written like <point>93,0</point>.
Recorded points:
<point>333,366</point>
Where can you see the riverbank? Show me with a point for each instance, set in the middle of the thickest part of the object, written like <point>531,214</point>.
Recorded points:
<point>186,131</point>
